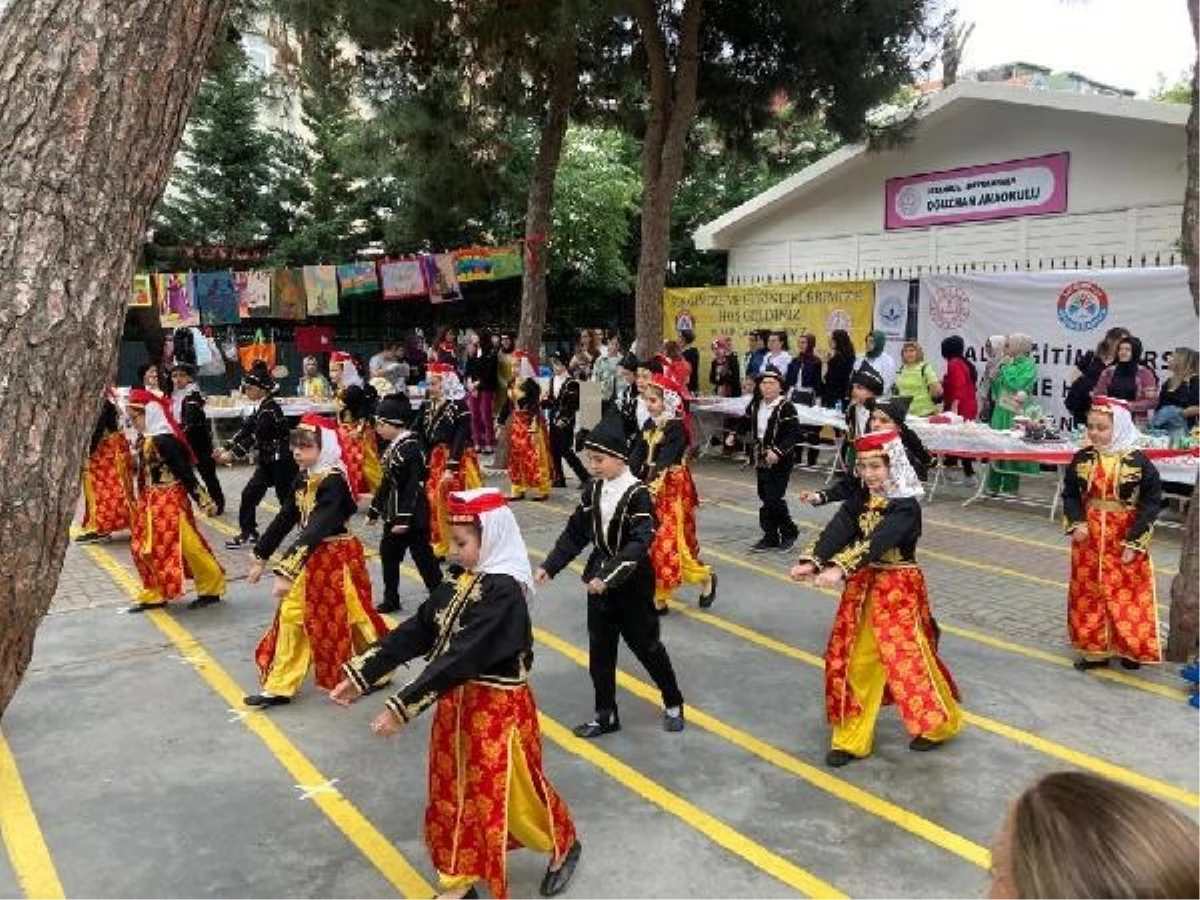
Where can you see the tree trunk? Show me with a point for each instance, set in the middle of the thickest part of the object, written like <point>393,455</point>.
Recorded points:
<point>672,106</point>
<point>1184,637</point>
<point>562,79</point>
<point>93,100</point>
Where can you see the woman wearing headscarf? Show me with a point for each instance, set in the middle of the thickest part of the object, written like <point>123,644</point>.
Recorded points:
<point>723,372</point>
<point>1111,497</point>
<point>322,587</point>
<point>883,647</point>
<point>879,359</point>
<point>994,354</point>
<point>444,427</point>
<point>165,543</point>
<point>803,379</point>
<point>1131,380</point>
<point>476,636</point>
<point>1012,385</point>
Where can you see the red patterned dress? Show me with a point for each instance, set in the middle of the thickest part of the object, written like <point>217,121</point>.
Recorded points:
<point>444,427</point>
<point>1111,605</point>
<point>883,647</point>
<point>529,460</point>
<point>108,477</point>
<point>488,792</point>
<point>327,616</point>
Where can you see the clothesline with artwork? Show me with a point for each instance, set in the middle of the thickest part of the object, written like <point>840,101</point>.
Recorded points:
<point>187,299</point>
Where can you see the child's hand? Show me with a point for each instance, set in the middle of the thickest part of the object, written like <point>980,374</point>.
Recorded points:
<point>809,497</point>
<point>386,724</point>
<point>772,457</point>
<point>1129,555</point>
<point>399,529</point>
<point>345,693</point>
<point>282,587</point>
<point>803,570</point>
<point>256,571</point>
<point>1079,534</point>
<point>596,586</point>
<point>830,577</point>
<point>541,576</point>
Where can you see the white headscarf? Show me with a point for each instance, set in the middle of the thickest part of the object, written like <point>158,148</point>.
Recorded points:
<point>902,477</point>
<point>330,459</point>
<point>349,375</point>
<point>452,386</point>
<point>502,550</point>
<point>1125,434</point>
<point>524,366</point>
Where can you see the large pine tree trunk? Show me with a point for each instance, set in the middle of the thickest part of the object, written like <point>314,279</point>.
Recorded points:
<point>1184,637</point>
<point>672,106</point>
<point>562,79</point>
<point>93,99</point>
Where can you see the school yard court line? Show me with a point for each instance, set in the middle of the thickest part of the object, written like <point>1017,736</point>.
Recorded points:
<point>372,843</point>
<point>23,839</point>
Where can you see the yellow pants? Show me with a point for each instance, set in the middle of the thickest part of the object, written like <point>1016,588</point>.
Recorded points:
<point>293,652</point>
<point>528,817</point>
<point>691,570</point>
<point>206,571</point>
<point>868,678</point>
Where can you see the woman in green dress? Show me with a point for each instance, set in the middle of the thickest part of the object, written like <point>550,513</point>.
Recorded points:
<point>1014,382</point>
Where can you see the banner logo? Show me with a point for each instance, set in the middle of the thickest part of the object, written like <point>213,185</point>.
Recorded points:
<point>950,307</point>
<point>839,320</point>
<point>892,313</point>
<point>684,321</point>
<point>1082,306</point>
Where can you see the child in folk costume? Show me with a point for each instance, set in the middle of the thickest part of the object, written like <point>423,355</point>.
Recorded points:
<point>321,583</point>
<point>477,638</point>
<point>358,438</point>
<point>187,405</point>
<point>444,427</point>
<point>108,499</point>
<point>400,502</point>
<point>616,515</point>
<point>628,394</point>
<point>774,430</point>
<point>883,647</point>
<point>530,465</point>
<point>265,431</point>
<point>1111,497</point>
<point>659,458</point>
<point>866,386</point>
<point>167,546</point>
<point>562,406</point>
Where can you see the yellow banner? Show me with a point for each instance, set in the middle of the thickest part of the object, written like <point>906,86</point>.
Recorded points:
<point>818,308</point>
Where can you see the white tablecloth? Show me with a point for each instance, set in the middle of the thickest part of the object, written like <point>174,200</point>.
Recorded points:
<point>290,408</point>
<point>817,416</point>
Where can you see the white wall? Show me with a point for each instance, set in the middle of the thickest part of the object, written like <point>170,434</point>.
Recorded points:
<point>1125,188</point>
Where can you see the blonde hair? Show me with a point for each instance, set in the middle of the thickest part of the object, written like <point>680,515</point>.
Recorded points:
<point>912,345</point>
<point>1074,834</point>
<point>1182,366</point>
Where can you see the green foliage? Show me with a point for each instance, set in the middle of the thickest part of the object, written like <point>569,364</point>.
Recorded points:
<point>1177,92</point>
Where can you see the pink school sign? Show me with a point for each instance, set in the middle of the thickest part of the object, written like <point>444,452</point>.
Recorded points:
<point>1020,187</point>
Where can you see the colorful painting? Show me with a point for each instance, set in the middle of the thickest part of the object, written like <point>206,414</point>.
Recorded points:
<point>320,286</point>
<point>143,291</point>
<point>439,275</point>
<point>288,300</point>
<point>254,293</point>
<point>217,296</point>
<point>176,305</point>
<point>487,263</point>
<point>357,278</point>
<point>402,278</point>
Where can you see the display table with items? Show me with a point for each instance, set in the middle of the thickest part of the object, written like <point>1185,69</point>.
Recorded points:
<point>947,436</point>
<point>709,415</point>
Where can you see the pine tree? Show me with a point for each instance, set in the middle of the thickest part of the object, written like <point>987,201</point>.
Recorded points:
<point>220,187</point>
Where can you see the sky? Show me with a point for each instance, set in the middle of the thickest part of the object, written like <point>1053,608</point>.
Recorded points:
<point>1124,43</point>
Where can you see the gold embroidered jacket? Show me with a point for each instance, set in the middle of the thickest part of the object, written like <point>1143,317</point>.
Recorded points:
<point>474,629</point>
<point>444,422</point>
<point>163,461</point>
<point>867,530</point>
<point>656,449</point>
<point>322,505</point>
<point>1135,485</point>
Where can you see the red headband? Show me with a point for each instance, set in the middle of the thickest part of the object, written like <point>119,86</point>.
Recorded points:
<point>466,511</point>
<point>875,442</point>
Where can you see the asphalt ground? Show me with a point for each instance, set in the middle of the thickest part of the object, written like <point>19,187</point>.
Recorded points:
<point>137,772</point>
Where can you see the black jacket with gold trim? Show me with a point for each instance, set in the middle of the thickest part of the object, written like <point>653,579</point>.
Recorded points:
<point>868,529</point>
<point>474,629</point>
<point>525,397</point>
<point>654,450</point>
<point>627,404</point>
<point>622,551</point>
<point>562,407</point>
<point>1138,486</point>
<point>266,431</point>
<point>781,435</point>
<point>401,498</point>
<point>163,461</point>
<point>444,422</point>
<point>321,507</point>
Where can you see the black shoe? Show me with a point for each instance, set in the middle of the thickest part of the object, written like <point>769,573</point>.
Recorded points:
<point>673,723</point>
<point>204,600</point>
<point>266,700</point>
<point>142,607</point>
<point>241,541</point>
<point>596,728</point>
<point>662,610</point>
<point>220,510</point>
<point>90,537</point>
<point>838,758</point>
<point>763,544</point>
<point>786,543</point>
<point>1130,664</point>
<point>706,600</point>
<point>556,882</point>
<point>389,606</point>
<point>1084,664</point>
<point>471,894</point>
<point>922,744</point>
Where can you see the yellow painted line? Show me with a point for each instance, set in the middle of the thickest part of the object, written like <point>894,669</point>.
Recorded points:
<point>352,823</point>
<point>23,839</point>
<point>708,825</point>
<point>843,790</point>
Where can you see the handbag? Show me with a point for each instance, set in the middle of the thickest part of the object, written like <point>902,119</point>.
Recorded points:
<point>260,350</point>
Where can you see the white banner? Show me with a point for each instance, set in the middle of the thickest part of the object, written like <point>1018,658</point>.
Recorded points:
<point>891,314</point>
<point>1066,312</point>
